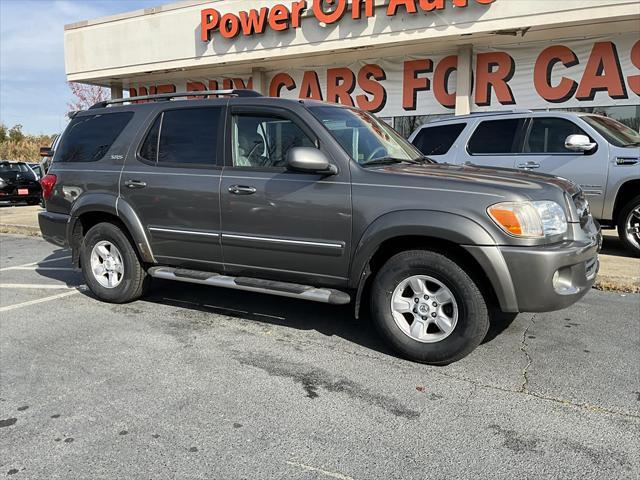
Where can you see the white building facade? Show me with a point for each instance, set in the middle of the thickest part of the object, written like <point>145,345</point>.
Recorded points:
<point>405,60</point>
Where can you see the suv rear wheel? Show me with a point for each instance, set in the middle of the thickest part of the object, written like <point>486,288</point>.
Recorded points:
<point>428,308</point>
<point>110,265</point>
<point>629,225</point>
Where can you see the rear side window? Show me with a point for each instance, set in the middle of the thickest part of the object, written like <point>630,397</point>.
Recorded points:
<point>188,136</point>
<point>548,135</point>
<point>495,137</point>
<point>438,140</point>
<point>88,138</point>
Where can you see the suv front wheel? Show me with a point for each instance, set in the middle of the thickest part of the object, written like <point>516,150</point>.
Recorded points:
<point>110,265</point>
<point>428,308</point>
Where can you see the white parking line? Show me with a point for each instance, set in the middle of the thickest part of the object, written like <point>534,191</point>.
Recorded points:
<point>37,286</point>
<point>39,300</point>
<point>38,268</point>
<point>19,267</point>
<point>309,468</point>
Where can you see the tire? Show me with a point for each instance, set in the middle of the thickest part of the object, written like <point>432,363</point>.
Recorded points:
<point>469,326</point>
<point>131,279</point>
<point>630,217</point>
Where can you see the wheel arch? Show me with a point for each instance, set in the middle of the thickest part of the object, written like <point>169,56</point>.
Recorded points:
<point>627,191</point>
<point>443,232</point>
<point>92,209</point>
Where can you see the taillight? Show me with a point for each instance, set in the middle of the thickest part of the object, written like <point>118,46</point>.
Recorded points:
<point>48,182</point>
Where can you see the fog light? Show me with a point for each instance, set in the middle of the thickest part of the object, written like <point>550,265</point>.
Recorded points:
<point>562,282</point>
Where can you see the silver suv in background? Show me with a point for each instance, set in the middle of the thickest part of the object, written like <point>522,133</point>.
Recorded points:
<point>599,153</point>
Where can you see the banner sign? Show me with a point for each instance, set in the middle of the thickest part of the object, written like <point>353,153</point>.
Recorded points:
<point>600,72</point>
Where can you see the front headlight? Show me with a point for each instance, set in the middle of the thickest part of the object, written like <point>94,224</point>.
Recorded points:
<point>529,219</point>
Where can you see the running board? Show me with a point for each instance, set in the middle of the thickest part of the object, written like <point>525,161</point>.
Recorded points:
<point>283,289</point>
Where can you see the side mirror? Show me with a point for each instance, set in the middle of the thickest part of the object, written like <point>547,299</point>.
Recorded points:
<point>579,143</point>
<point>46,152</point>
<point>309,160</point>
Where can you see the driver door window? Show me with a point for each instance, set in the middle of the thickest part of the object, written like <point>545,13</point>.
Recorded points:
<point>547,135</point>
<point>264,141</point>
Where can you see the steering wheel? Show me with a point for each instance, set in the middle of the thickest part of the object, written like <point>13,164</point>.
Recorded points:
<point>373,154</point>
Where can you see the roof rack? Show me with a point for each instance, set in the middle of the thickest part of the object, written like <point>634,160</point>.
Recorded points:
<point>480,114</point>
<point>168,96</point>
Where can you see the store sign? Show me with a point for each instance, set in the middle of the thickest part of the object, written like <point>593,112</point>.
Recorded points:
<point>282,17</point>
<point>585,73</point>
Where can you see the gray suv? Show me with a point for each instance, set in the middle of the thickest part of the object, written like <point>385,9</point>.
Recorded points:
<point>599,153</point>
<point>317,202</point>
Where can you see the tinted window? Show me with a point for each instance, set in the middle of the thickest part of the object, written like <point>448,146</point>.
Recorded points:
<point>13,167</point>
<point>264,141</point>
<point>187,136</point>
<point>438,140</point>
<point>149,150</point>
<point>547,135</point>
<point>88,138</point>
<point>495,136</point>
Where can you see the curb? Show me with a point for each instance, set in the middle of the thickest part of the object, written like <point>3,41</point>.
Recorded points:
<point>604,283</point>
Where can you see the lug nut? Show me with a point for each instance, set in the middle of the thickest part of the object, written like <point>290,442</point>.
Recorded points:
<point>424,318</point>
<point>416,299</point>
<point>426,297</point>
<point>434,304</point>
<point>415,310</point>
<point>433,314</point>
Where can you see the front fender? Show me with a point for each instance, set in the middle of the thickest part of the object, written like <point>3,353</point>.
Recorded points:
<point>427,223</point>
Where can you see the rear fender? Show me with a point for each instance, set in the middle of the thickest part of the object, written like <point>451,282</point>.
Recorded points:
<point>112,205</point>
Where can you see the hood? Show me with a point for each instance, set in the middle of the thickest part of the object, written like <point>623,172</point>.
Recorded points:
<point>485,178</point>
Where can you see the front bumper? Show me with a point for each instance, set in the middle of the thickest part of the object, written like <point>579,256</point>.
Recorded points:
<point>552,277</point>
<point>54,227</point>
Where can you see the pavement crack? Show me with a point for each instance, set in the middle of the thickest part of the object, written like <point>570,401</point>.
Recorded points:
<point>524,387</point>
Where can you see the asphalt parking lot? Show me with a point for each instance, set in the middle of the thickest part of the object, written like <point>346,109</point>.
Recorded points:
<point>195,382</point>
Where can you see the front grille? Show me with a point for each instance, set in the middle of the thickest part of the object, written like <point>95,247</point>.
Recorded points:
<point>582,208</point>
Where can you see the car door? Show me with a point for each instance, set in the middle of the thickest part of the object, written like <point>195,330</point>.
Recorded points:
<point>494,143</point>
<point>277,223</point>
<point>544,151</point>
<point>172,184</point>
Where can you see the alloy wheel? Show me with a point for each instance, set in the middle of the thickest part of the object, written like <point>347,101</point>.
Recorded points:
<point>424,309</point>
<point>106,264</point>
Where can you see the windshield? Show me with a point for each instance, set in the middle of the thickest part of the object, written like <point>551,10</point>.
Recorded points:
<point>613,131</point>
<point>365,138</point>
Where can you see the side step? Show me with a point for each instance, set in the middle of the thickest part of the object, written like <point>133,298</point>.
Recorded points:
<point>283,289</point>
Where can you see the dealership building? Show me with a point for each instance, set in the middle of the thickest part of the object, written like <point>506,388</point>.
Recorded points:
<point>405,60</point>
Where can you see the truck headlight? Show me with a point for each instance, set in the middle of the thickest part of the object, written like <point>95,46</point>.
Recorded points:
<point>529,219</point>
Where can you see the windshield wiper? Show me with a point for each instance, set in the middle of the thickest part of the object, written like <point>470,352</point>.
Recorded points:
<point>390,160</point>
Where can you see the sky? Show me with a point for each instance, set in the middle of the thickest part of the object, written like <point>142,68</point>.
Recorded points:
<point>33,86</point>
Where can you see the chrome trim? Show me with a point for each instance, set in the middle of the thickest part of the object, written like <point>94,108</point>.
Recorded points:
<point>284,241</point>
<point>187,232</point>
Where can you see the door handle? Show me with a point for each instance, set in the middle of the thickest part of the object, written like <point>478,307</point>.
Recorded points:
<point>529,165</point>
<point>135,184</point>
<point>242,190</point>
